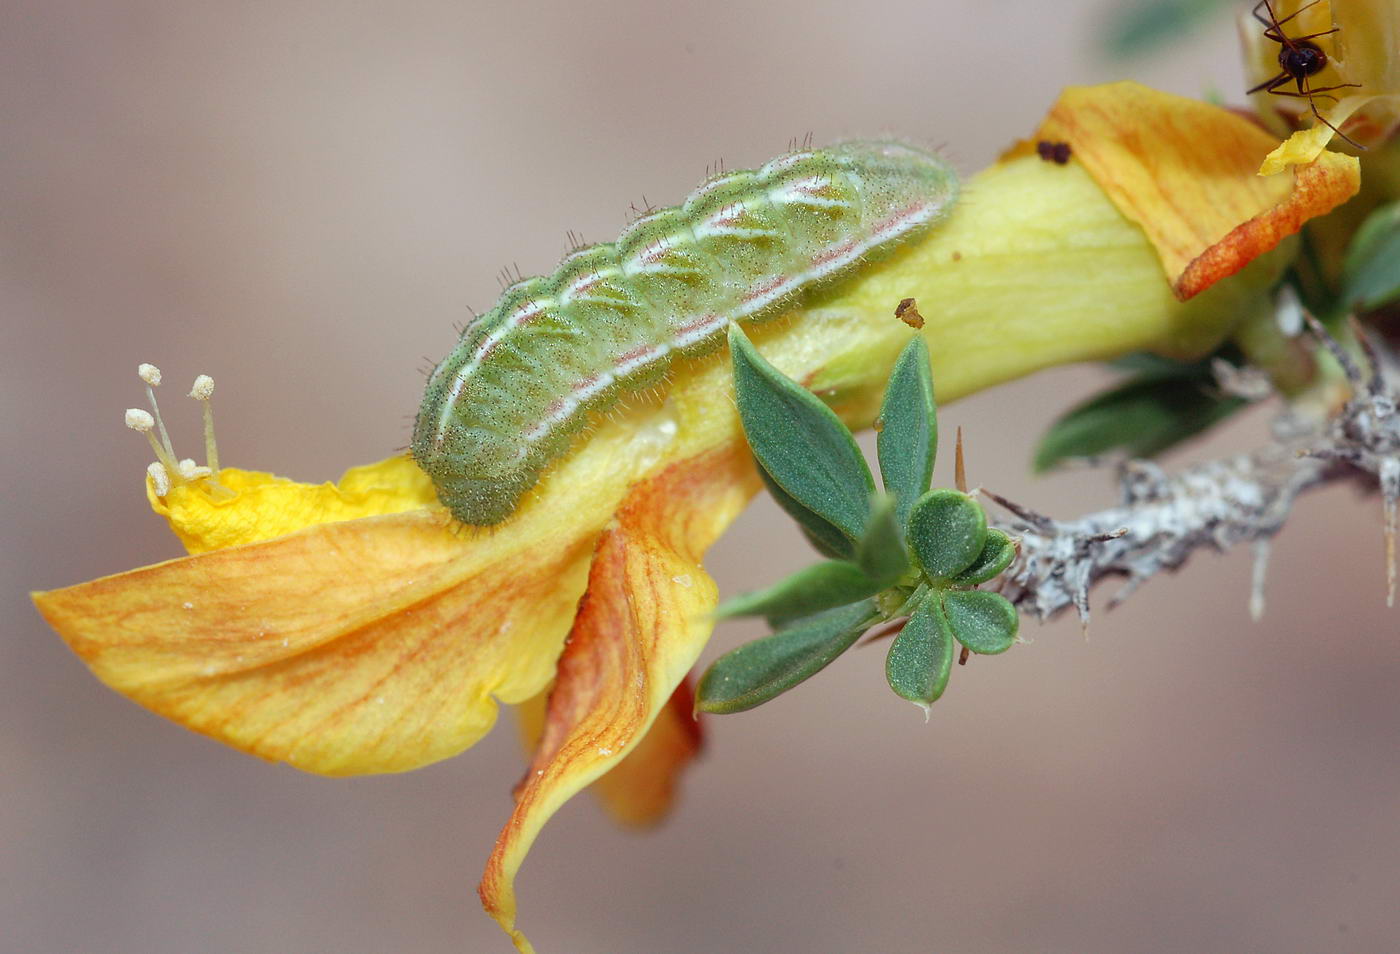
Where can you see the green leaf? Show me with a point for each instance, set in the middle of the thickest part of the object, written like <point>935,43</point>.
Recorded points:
<point>800,442</point>
<point>761,670</point>
<point>1142,418</point>
<point>997,554</point>
<point>881,553</point>
<point>947,531</point>
<point>820,532</point>
<point>984,622</point>
<point>810,590</point>
<point>907,442</point>
<point>921,657</point>
<point>1371,273</point>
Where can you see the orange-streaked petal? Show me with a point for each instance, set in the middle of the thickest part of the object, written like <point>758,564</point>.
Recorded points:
<point>641,789</point>
<point>639,631</point>
<point>1186,173</point>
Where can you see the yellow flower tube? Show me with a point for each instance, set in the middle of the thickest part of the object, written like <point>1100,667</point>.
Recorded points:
<point>355,628</point>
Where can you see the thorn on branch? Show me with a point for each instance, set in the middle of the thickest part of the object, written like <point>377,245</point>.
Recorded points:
<point>1037,520</point>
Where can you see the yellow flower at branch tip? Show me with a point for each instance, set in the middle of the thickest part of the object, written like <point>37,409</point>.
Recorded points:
<point>1361,40</point>
<point>354,628</point>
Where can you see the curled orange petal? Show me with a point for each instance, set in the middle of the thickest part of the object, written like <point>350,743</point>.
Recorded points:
<point>641,789</point>
<point>1185,172</point>
<point>639,630</point>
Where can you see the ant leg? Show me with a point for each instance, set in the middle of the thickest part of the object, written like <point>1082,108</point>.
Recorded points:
<point>1314,36</point>
<point>1273,27</point>
<point>1329,125</point>
<point>1279,23</point>
<point>1271,85</point>
<point>1328,89</point>
<point>1309,93</point>
<point>1269,22</point>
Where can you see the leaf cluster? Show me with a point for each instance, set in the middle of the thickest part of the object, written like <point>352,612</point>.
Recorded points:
<point>908,554</point>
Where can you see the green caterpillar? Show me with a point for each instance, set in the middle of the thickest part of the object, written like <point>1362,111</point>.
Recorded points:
<point>523,379</point>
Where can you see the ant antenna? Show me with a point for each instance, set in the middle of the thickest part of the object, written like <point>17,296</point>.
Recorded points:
<point>1298,59</point>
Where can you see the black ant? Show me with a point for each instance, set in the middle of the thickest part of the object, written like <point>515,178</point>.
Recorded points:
<point>1299,58</point>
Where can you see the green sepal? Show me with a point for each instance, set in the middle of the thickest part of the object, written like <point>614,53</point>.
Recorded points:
<point>1371,272</point>
<point>921,656</point>
<point>881,552</point>
<point>765,668</point>
<point>907,442</point>
<point>997,554</point>
<point>947,530</point>
<point>1142,418</point>
<point>821,586</point>
<point>984,622</point>
<point>800,442</point>
<point>820,532</point>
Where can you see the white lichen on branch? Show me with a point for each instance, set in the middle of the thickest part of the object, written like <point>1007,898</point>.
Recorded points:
<point>1165,518</point>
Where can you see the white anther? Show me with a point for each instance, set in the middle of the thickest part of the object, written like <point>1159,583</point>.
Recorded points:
<point>160,478</point>
<point>149,373</point>
<point>139,420</point>
<point>203,388</point>
<point>189,470</point>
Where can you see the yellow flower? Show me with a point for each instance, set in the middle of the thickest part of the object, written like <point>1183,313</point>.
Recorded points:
<point>354,628</point>
<point>1361,41</point>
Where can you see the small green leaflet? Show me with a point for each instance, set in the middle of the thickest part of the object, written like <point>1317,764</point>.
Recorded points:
<point>799,441</point>
<point>907,442</point>
<point>758,671</point>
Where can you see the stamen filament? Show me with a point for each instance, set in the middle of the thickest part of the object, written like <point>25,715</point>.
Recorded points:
<point>202,391</point>
<point>151,375</point>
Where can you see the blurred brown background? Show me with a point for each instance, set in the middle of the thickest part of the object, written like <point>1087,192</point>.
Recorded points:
<point>300,198</point>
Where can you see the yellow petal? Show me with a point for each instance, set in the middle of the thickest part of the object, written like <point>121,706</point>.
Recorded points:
<point>244,506</point>
<point>638,632</point>
<point>1306,145</point>
<point>1185,172</point>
